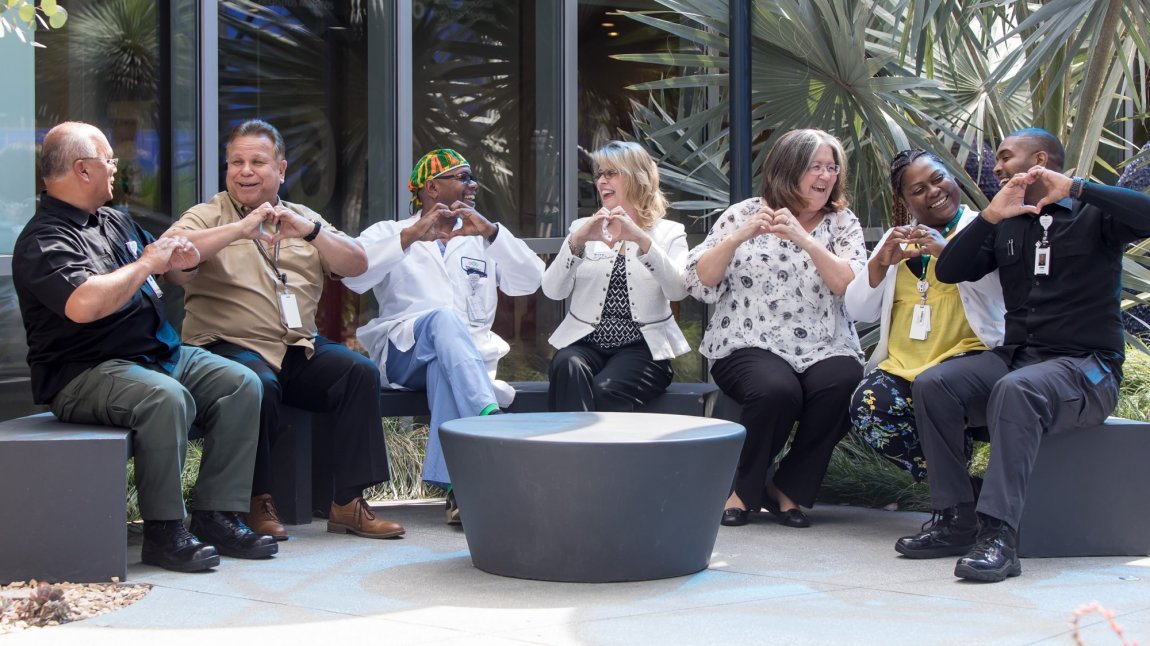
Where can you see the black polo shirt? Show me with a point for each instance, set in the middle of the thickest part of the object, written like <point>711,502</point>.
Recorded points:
<point>59,248</point>
<point>1074,311</point>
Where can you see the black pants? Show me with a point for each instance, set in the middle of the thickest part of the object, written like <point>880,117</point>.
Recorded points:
<point>774,397</point>
<point>335,380</point>
<point>584,377</point>
<point>1019,396</point>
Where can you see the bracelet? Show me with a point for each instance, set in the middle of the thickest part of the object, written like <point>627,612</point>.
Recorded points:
<point>1076,186</point>
<point>190,269</point>
<point>491,238</point>
<point>314,232</point>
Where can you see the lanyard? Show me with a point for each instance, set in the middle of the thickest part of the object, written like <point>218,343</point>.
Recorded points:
<point>923,285</point>
<point>945,232</point>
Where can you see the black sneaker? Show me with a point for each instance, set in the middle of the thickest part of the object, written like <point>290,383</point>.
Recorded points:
<point>168,544</point>
<point>231,536</point>
<point>948,533</point>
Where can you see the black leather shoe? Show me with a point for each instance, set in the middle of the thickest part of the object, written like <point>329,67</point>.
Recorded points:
<point>794,518</point>
<point>231,536</point>
<point>168,544</point>
<point>994,557</point>
<point>769,503</point>
<point>734,517</point>
<point>951,532</point>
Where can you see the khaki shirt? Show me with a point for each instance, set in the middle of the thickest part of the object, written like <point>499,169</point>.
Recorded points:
<point>235,296</point>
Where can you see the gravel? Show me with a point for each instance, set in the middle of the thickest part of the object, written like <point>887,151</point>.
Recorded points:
<point>78,601</point>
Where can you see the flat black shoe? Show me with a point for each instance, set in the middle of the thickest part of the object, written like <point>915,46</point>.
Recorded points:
<point>734,517</point>
<point>231,536</point>
<point>769,503</point>
<point>794,518</point>
<point>168,544</point>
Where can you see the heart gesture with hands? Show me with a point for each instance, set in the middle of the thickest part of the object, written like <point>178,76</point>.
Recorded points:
<point>787,227</point>
<point>171,253</point>
<point>1011,198</point>
<point>289,224</point>
<point>472,222</point>
<point>894,249</point>
<point>604,226</point>
<point>435,224</point>
<point>758,224</point>
<point>928,240</point>
<point>259,224</point>
<point>1055,186</point>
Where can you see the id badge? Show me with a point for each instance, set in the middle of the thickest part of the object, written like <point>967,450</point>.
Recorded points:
<point>475,309</point>
<point>920,322</point>
<point>155,286</point>
<point>290,310</point>
<point>1041,260</point>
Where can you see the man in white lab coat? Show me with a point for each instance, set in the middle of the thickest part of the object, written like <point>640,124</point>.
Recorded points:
<point>435,277</point>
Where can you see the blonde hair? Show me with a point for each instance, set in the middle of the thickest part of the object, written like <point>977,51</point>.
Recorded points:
<point>787,162</point>
<point>633,162</point>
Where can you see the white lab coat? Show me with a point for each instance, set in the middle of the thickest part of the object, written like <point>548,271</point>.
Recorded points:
<point>409,284</point>
<point>981,301</point>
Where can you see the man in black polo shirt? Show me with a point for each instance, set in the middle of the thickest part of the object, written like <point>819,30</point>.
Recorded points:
<point>1057,243</point>
<point>102,352</point>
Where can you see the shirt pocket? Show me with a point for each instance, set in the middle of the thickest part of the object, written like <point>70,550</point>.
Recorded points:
<point>1008,250</point>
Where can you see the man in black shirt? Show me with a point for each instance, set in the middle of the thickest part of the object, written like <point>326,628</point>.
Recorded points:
<point>102,352</point>
<point>1057,243</point>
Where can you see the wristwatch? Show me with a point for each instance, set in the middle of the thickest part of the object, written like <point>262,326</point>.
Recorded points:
<point>314,232</point>
<point>1076,186</point>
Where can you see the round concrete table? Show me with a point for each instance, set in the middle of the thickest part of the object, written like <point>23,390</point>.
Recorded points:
<point>591,497</point>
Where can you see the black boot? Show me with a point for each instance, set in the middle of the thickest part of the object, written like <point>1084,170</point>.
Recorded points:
<point>994,557</point>
<point>168,544</point>
<point>231,536</point>
<point>950,532</point>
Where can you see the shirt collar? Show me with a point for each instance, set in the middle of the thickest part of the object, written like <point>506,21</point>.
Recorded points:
<point>244,210</point>
<point>60,208</point>
<point>1064,203</point>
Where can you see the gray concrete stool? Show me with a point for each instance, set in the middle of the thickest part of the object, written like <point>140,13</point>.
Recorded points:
<point>591,497</point>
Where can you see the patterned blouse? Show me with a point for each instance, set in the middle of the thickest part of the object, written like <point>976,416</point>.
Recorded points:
<point>617,328</point>
<point>772,297</point>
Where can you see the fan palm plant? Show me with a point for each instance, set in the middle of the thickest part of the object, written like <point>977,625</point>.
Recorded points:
<point>889,74</point>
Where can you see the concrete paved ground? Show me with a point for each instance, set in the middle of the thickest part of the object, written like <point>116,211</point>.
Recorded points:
<point>838,582</point>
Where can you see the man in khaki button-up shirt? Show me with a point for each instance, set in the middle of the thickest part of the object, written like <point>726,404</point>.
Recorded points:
<point>254,300</point>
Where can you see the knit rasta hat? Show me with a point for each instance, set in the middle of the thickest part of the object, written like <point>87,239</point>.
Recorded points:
<point>430,166</point>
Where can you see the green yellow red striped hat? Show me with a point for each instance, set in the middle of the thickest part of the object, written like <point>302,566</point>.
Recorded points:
<point>430,166</point>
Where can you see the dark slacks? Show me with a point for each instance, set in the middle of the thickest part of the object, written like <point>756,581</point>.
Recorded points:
<point>1019,396</point>
<point>584,377</point>
<point>774,397</point>
<point>336,381</point>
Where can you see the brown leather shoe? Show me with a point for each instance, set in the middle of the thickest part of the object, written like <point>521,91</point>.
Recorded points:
<point>356,517</point>
<point>264,519</point>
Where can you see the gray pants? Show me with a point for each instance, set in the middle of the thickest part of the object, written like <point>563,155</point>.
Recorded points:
<point>1019,400</point>
<point>222,396</point>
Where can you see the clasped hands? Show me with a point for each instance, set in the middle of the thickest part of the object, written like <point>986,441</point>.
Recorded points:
<point>170,253</point>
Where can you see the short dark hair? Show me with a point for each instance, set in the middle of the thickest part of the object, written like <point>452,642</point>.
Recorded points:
<point>1045,141</point>
<point>259,128</point>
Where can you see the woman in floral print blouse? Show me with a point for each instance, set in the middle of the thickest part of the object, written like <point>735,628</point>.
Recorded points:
<point>780,342</point>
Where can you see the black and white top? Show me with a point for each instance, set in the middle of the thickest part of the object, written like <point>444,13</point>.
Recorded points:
<point>772,297</point>
<point>617,328</point>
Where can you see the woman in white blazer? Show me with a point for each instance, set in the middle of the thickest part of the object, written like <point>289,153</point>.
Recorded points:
<point>620,268</point>
<point>922,322</point>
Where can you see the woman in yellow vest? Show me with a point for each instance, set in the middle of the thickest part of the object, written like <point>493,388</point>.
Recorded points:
<point>922,322</point>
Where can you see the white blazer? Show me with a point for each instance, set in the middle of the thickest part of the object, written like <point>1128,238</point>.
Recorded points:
<point>981,301</point>
<point>409,284</point>
<point>653,280</point>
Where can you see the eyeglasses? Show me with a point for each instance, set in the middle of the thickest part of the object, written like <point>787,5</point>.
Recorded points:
<point>818,168</point>
<point>114,162</point>
<point>610,173</point>
<point>465,178</point>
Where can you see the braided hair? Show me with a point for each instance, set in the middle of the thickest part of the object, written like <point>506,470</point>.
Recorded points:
<point>898,165</point>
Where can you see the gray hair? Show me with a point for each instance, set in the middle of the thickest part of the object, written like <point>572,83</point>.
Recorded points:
<point>64,144</point>
<point>260,128</point>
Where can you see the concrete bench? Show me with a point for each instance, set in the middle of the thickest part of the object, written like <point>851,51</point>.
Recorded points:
<point>1089,492</point>
<point>61,482</point>
<point>591,497</point>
